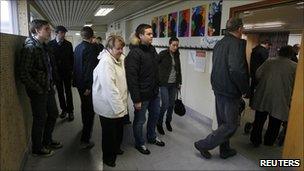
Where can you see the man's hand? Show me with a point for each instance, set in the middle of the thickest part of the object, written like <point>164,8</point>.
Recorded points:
<point>87,92</point>
<point>137,106</point>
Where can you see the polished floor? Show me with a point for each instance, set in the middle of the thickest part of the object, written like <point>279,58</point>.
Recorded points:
<point>178,154</point>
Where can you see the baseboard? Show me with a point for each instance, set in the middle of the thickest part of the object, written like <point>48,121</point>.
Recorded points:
<point>198,117</point>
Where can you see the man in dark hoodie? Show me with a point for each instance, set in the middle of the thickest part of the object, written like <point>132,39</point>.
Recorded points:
<point>37,72</point>
<point>142,78</point>
<point>229,80</point>
<point>85,60</point>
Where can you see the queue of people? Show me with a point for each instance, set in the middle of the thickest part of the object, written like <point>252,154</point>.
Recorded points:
<point>104,77</point>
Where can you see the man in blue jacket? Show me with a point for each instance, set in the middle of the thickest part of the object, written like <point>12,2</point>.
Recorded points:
<point>85,60</point>
<point>229,80</point>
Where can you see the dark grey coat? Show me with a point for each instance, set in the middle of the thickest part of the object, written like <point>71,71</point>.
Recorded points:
<point>230,75</point>
<point>274,89</point>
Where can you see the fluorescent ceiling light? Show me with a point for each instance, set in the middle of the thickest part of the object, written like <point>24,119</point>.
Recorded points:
<point>77,34</point>
<point>268,26</point>
<point>88,25</point>
<point>300,3</point>
<point>264,25</point>
<point>103,10</point>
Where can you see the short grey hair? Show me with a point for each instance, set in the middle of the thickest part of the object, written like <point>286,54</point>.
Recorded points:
<point>234,24</point>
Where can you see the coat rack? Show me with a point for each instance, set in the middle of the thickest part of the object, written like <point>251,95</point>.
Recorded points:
<point>184,47</point>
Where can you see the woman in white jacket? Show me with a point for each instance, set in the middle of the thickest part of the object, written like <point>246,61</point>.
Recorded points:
<point>110,97</point>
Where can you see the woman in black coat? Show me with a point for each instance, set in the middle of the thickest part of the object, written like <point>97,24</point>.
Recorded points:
<point>170,80</point>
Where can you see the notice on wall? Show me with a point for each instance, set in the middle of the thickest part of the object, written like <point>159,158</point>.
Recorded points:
<point>200,61</point>
<point>191,57</point>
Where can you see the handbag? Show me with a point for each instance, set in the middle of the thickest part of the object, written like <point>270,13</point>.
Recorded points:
<point>179,107</point>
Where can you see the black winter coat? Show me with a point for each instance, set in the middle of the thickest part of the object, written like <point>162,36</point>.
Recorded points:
<point>229,76</point>
<point>142,72</point>
<point>165,66</point>
<point>259,55</point>
<point>64,57</point>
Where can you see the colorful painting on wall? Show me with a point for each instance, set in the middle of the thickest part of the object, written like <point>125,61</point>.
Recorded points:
<point>163,20</point>
<point>214,18</point>
<point>198,20</point>
<point>154,24</point>
<point>183,23</point>
<point>172,24</point>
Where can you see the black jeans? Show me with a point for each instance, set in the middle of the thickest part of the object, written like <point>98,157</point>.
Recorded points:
<point>87,115</point>
<point>65,97</point>
<point>112,133</point>
<point>227,113</point>
<point>45,113</point>
<point>271,132</point>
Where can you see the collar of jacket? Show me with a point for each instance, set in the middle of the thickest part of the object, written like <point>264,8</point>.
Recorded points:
<point>145,47</point>
<point>174,54</point>
<point>231,35</point>
<point>118,62</point>
<point>37,43</point>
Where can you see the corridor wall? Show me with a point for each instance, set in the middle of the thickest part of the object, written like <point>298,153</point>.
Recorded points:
<point>197,93</point>
<point>15,112</point>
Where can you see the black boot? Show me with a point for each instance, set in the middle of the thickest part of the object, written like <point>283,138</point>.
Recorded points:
<point>205,153</point>
<point>169,127</point>
<point>227,153</point>
<point>160,129</point>
<point>71,116</point>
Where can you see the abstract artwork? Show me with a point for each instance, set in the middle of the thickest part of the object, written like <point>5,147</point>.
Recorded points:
<point>172,24</point>
<point>198,20</point>
<point>163,25</point>
<point>183,23</point>
<point>214,18</point>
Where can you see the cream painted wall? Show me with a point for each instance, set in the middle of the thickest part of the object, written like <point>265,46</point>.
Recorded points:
<point>196,89</point>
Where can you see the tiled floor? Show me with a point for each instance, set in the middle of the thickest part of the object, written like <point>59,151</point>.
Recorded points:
<point>178,154</point>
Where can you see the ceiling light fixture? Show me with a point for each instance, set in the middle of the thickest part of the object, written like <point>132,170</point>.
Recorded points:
<point>88,25</point>
<point>300,3</point>
<point>103,10</point>
<point>263,25</point>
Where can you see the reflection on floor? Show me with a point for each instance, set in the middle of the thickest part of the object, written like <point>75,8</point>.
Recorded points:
<point>178,154</point>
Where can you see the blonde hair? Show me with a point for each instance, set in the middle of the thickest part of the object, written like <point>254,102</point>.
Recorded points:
<point>111,41</point>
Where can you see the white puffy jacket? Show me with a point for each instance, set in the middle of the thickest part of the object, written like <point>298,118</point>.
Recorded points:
<point>110,86</point>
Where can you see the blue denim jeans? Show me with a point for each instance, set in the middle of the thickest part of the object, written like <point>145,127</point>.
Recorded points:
<point>152,106</point>
<point>227,112</point>
<point>167,94</point>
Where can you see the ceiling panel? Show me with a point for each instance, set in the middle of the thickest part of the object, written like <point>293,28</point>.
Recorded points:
<point>75,13</point>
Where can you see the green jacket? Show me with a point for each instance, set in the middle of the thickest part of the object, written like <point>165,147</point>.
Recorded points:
<point>32,67</point>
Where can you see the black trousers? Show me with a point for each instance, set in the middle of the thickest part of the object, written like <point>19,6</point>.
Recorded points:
<point>87,115</point>
<point>45,113</point>
<point>271,132</point>
<point>112,133</point>
<point>65,97</point>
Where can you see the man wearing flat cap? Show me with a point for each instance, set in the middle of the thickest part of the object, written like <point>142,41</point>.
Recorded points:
<point>64,57</point>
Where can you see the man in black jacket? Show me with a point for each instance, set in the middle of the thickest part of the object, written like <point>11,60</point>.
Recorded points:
<point>259,55</point>
<point>85,60</point>
<point>37,71</point>
<point>229,80</point>
<point>63,52</point>
<point>142,78</point>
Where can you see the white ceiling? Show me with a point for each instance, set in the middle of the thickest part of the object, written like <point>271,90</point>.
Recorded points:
<point>73,14</point>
